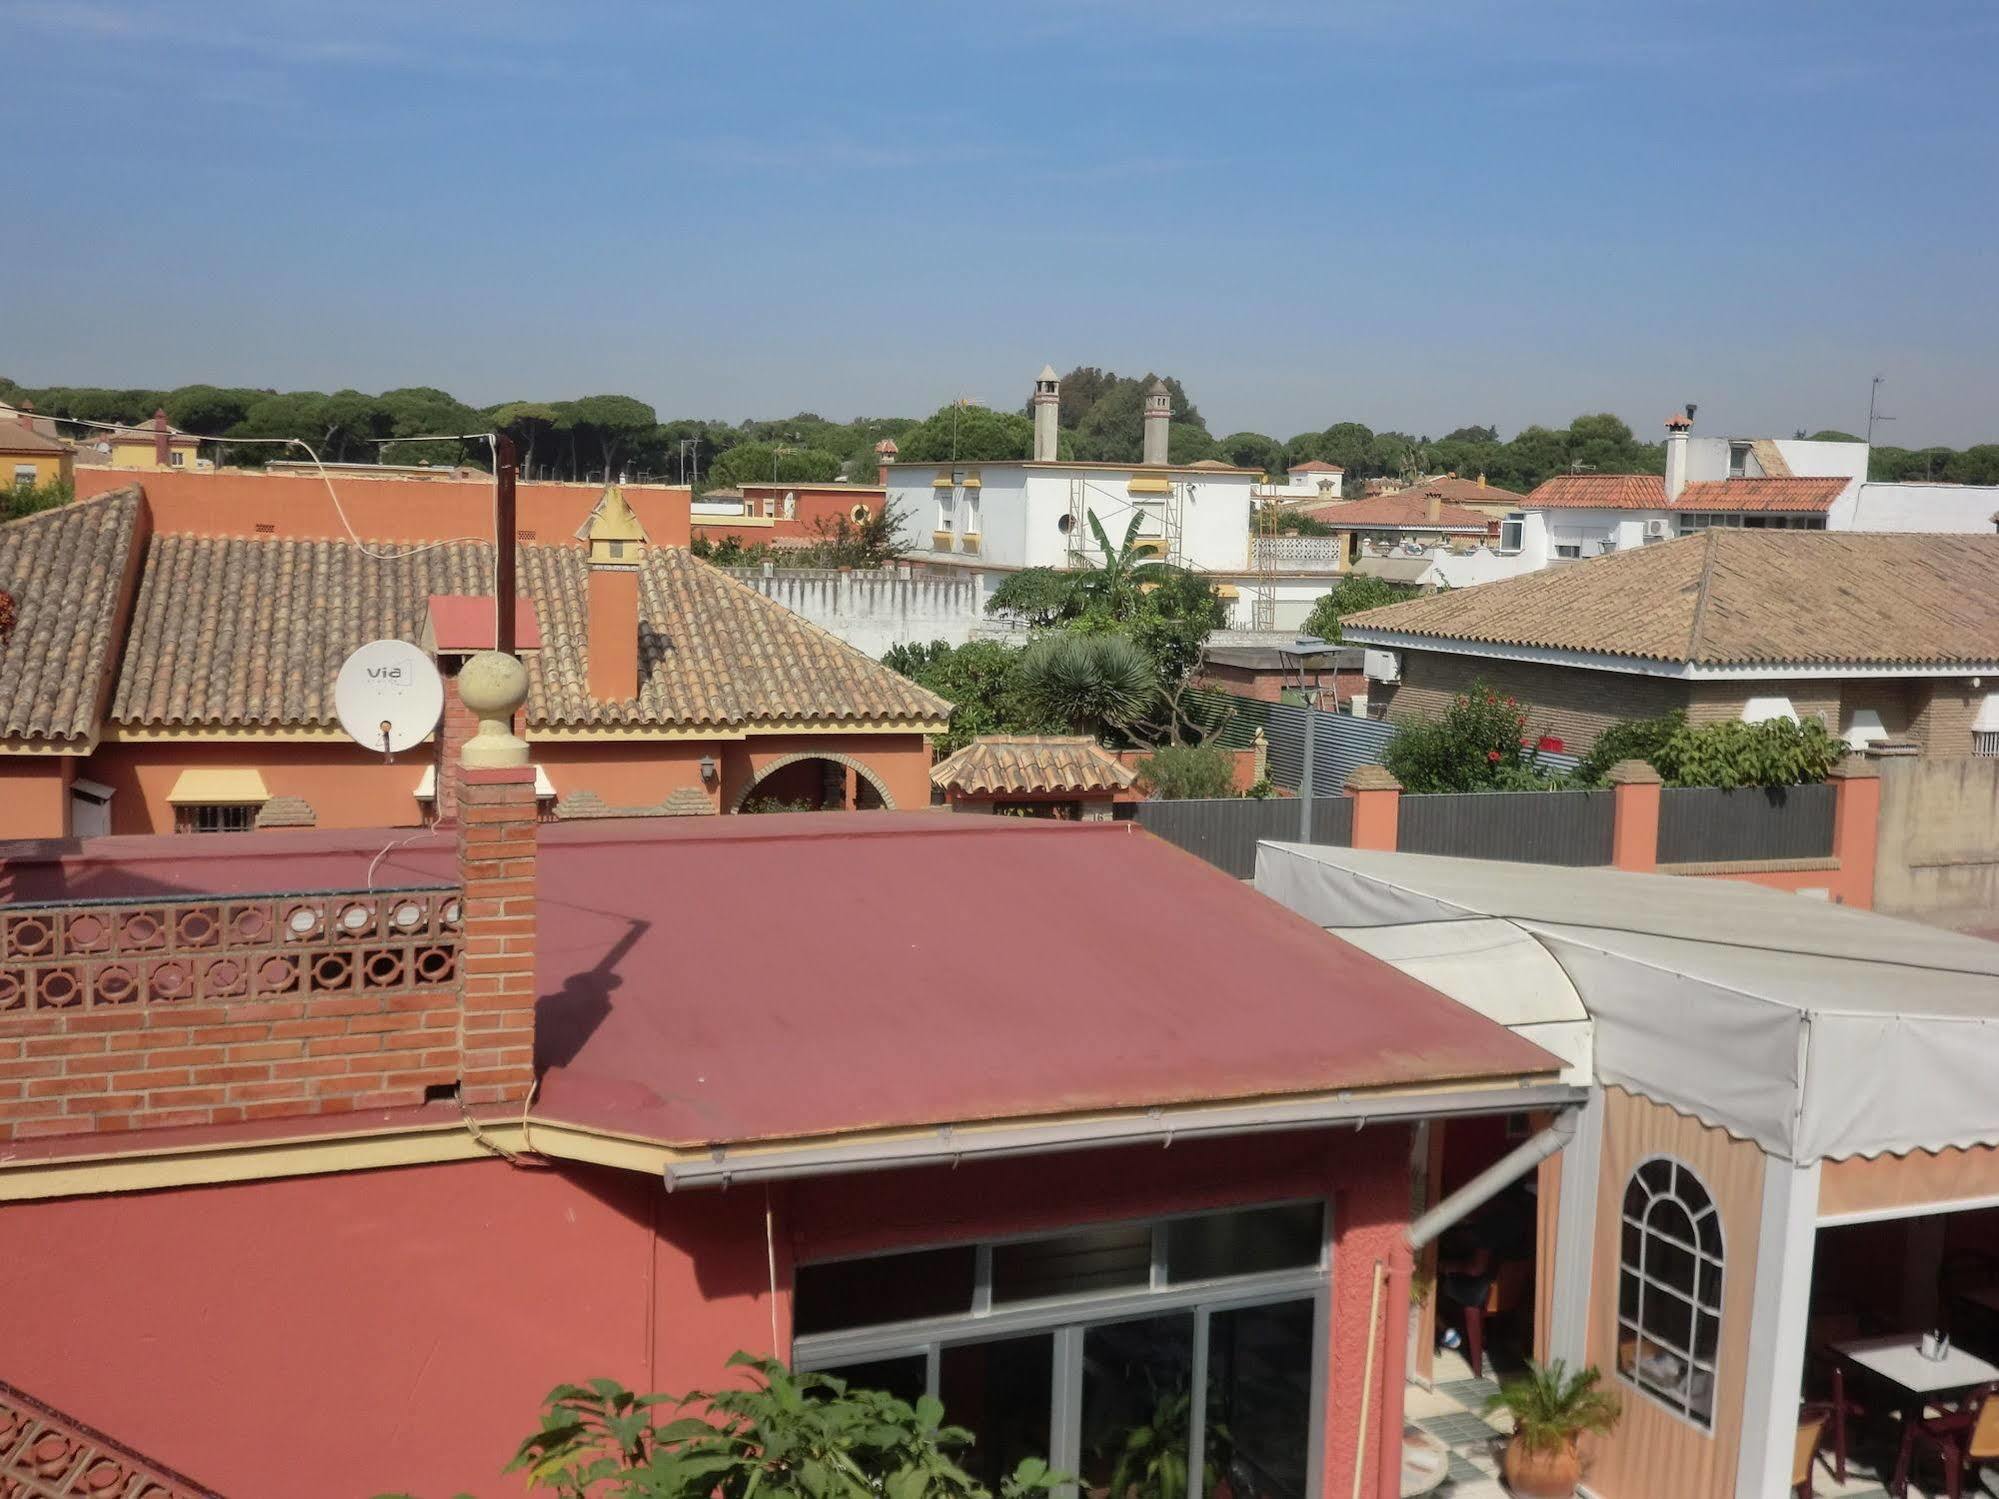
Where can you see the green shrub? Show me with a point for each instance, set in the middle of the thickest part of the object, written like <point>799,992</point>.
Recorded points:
<point>1634,739</point>
<point>1776,752</point>
<point>24,499</point>
<point>1476,746</point>
<point>1187,772</point>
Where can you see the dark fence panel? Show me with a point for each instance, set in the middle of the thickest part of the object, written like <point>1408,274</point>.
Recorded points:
<point>1535,827</point>
<point>1705,824</point>
<point>1225,830</point>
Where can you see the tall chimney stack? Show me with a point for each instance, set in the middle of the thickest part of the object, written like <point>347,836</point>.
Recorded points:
<point>1158,418</point>
<point>885,452</point>
<point>617,543</point>
<point>162,442</point>
<point>1678,425</point>
<point>1433,507</point>
<point>1047,414</point>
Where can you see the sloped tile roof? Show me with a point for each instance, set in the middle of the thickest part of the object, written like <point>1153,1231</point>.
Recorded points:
<point>1032,762</point>
<point>16,438</point>
<point>63,568</point>
<point>1810,496</point>
<point>251,631</point>
<point>1599,492</point>
<point>1738,598</point>
<point>1464,491</point>
<point>1407,509</point>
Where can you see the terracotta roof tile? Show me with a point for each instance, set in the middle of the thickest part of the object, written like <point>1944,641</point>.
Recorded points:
<point>1407,509</point>
<point>1811,496</point>
<point>63,567</point>
<point>1734,597</point>
<point>1463,491</point>
<point>15,438</point>
<point>1599,492</point>
<point>1032,762</point>
<point>242,630</point>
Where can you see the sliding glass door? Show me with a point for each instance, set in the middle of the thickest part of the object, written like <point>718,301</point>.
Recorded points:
<point>1178,1359</point>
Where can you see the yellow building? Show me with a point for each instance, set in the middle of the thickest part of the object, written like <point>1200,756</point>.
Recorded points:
<point>29,456</point>
<point>151,448</point>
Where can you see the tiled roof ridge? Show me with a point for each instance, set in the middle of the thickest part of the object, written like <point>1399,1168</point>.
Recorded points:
<point>1701,589</point>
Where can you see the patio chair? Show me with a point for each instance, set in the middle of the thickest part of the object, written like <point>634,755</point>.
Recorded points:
<point>1828,1374</point>
<point>1512,1285</point>
<point>1811,1431</point>
<point>1966,1438</point>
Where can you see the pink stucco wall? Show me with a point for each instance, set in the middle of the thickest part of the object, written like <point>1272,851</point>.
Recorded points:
<point>396,1330</point>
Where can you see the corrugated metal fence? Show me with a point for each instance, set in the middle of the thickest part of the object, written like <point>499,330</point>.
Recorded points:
<point>1340,744</point>
<point>1704,824</point>
<point>1225,830</point>
<point>1536,827</point>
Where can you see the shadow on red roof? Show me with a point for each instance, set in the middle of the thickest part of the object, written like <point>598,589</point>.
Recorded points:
<point>732,979</point>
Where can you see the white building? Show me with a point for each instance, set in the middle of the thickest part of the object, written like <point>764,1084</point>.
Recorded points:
<point>1306,481</point>
<point>1756,482</point>
<point>1034,512</point>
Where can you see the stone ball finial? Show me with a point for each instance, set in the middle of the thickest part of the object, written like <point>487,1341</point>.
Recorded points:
<point>493,685</point>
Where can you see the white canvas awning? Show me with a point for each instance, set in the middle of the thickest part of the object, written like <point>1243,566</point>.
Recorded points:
<point>1818,1031</point>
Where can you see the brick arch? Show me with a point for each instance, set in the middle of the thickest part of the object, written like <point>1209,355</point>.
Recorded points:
<point>858,767</point>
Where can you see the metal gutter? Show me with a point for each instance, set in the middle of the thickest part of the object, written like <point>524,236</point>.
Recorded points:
<point>1161,1126</point>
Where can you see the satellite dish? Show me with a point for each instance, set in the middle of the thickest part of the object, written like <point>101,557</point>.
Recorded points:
<point>388,696</point>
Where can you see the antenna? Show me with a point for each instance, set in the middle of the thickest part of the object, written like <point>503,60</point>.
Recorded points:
<point>388,696</point>
<point>1874,416</point>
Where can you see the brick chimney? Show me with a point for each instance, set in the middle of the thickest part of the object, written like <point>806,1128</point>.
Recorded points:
<point>1678,425</point>
<point>26,415</point>
<point>617,542</point>
<point>1433,507</point>
<point>496,866</point>
<point>163,446</point>
<point>1158,419</point>
<point>885,452</point>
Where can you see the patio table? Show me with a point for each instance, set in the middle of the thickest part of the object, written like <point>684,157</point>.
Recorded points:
<point>1897,1359</point>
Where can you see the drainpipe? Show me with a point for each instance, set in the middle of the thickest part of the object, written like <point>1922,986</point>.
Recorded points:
<point>1401,1264</point>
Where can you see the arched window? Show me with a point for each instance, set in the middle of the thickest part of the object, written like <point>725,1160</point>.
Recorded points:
<point>1669,1288</point>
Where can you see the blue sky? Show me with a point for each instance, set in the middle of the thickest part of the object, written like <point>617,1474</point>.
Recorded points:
<point>1413,213</point>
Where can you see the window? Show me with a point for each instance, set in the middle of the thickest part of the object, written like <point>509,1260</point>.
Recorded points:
<point>215,817</point>
<point>176,459</point>
<point>1569,549</point>
<point>1738,460</point>
<point>770,506</point>
<point>1511,532</point>
<point>1669,1288</point>
<point>1985,743</point>
<point>1065,1345</point>
<point>24,476</point>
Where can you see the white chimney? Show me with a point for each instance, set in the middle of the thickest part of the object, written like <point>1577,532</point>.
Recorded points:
<point>1047,410</point>
<point>1677,427</point>
<point>1158,417</point>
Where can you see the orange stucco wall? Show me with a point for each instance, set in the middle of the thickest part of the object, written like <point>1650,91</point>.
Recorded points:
<point>34,795</point>
<point>425,1311</point>
<point>346,786</point>
<point>245,503</point>
<point>349,788</point>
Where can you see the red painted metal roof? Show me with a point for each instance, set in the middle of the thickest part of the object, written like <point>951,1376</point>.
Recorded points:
<point>731,979</point>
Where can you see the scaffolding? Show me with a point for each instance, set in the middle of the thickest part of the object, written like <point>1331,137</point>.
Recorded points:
<point>1263,564</point>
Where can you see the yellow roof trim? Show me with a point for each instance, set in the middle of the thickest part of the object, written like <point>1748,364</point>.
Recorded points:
<point>1145,484</point>
<point>218,785</point>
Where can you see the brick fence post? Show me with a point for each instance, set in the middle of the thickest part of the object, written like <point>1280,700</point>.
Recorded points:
<point>1377,807</point>
<point>1856,827</point>
<point>496,859</point>
<point>1634,799</point>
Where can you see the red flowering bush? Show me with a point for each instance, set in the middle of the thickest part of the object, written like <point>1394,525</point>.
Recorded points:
<point>1480,744</point>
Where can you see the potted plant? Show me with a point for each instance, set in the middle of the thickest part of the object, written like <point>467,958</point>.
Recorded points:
<point>1551,1409</point>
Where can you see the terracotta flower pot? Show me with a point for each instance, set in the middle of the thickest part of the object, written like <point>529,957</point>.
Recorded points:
<point>1535,1473</point>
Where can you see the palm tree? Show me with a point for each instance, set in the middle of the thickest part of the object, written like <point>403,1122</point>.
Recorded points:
<point>1089,682</point>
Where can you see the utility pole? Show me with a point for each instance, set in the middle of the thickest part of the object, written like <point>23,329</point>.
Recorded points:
<point>1873,415</point>
<point>504,528</point>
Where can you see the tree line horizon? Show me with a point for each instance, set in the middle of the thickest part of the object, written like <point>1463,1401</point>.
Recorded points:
<point>1101,419</point>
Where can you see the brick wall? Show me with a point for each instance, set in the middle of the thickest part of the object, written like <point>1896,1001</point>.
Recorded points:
<point>496,859</point>
<point>1723,702</point>
<point>1941,720</point>
<point>1573,705</point>
<point>136,1014</point>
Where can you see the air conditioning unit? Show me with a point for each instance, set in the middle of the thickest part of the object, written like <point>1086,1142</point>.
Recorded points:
<point>1655,528</point>
<point>1381,666</point>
